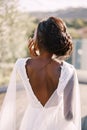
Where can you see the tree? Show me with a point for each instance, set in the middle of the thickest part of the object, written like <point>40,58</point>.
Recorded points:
<point>14,27</point>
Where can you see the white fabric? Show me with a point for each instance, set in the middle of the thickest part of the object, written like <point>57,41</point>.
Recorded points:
<point>61,112</point>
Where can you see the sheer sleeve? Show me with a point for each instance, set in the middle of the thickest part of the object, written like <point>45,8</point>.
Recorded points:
<point>72,108</point>
<point>8,109</point>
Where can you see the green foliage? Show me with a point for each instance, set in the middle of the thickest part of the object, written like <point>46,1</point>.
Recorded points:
<point>76,23</point>
<point>15,28</point>
<point>74,33</point>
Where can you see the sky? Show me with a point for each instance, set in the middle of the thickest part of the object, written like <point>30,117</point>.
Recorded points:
<point>50,5</point>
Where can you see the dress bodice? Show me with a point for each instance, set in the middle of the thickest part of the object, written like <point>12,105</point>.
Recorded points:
<point>57,95</point>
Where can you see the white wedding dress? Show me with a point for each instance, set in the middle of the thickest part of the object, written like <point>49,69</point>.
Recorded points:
<point>61,111</point>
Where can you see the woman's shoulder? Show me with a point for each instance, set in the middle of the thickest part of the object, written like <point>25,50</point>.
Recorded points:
<point>68,65</point>
<point>69,68</point>
<point>21,61</point>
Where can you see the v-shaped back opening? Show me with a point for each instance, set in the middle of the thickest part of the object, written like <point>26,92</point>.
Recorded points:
<point>47,102</point>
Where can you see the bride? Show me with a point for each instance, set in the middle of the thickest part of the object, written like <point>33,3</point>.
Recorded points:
<point>50,83</point>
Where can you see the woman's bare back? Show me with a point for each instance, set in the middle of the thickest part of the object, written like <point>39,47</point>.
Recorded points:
<point>43,77</point>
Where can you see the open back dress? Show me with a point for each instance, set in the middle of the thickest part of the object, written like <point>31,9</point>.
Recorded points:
<point>61,111</point>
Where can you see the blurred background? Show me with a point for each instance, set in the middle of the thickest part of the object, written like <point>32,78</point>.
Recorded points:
<point>19,18</point>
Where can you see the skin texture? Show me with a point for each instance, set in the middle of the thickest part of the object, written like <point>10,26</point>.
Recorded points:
<point>43,71</point>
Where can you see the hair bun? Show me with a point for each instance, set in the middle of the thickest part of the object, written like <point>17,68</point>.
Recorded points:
<point>53,36</point>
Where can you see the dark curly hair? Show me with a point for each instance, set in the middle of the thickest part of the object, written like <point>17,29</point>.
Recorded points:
<point>52,35</point>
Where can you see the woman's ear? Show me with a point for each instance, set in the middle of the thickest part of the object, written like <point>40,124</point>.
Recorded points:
<point>36,48</point>
<point>36,45</point>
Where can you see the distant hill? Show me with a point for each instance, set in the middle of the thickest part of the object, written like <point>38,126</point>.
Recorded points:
<point>69,13</point>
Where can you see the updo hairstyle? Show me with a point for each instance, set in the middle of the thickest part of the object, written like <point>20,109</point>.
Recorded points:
<point>52,36</point>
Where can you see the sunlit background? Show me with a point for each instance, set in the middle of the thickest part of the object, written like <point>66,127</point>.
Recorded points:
<point>50,5</point>
<point>19,18</point>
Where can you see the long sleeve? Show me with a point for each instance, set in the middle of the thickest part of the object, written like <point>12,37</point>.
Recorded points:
<point>8,109</point>
<point>76,103</point>
<point>72,108</point>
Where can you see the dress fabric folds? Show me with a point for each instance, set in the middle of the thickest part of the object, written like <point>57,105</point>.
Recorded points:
<point>61,112</point>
